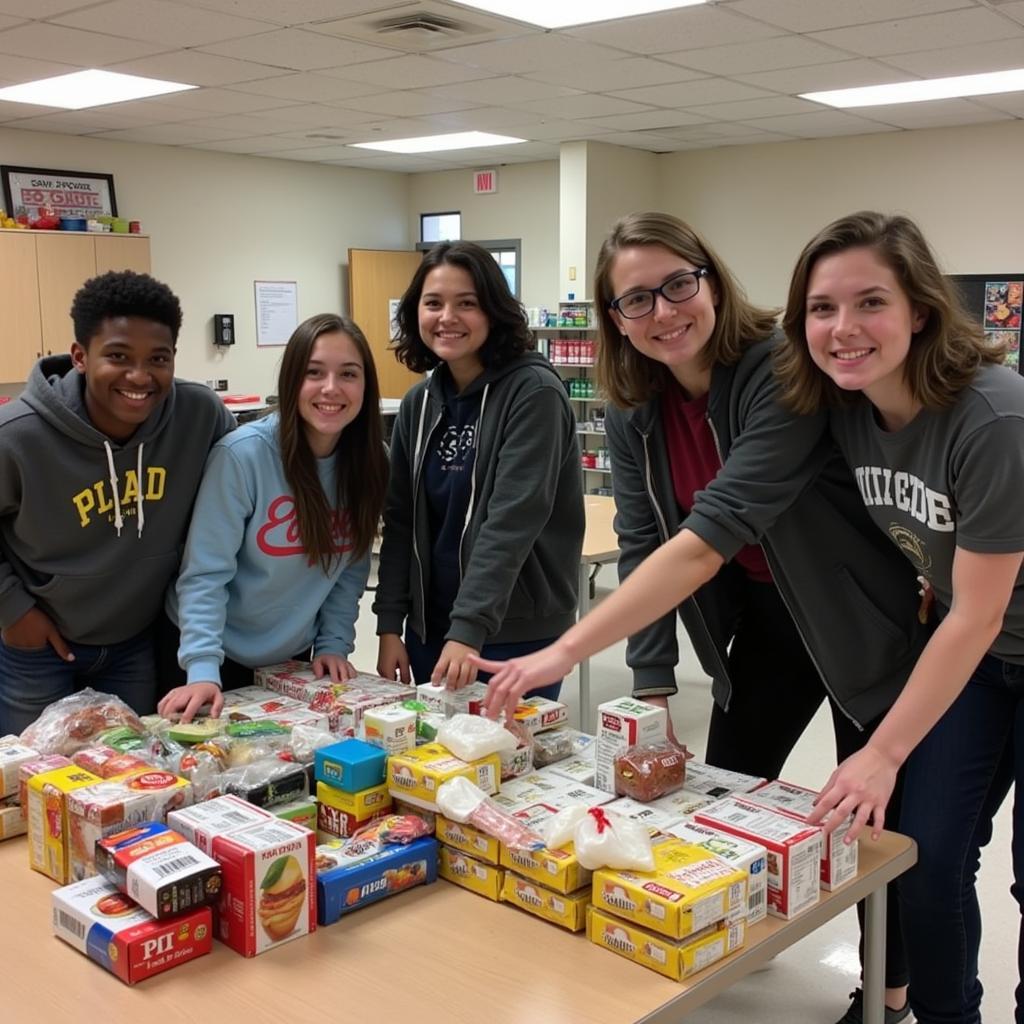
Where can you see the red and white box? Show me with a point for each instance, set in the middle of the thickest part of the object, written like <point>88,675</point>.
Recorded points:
<point>838,858</point>
<point>623,723</point>
<point>269,892</point>
<point>793,850</point>
<point>201,823</point>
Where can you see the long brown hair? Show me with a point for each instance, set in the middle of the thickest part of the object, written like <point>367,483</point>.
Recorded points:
<point>944,355</point>
<point>626,376</point>
<point>361,467</point>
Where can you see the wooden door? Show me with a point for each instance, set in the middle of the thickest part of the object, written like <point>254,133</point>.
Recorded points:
<point>66,261</point>
<point>122,252</point>
<point>20,342</point>
<point>375,277</point>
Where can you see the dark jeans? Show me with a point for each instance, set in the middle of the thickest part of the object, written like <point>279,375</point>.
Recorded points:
<point>776,691</point>
<point>956,780</point>
<point>32,679</point>
<point>423,657</point>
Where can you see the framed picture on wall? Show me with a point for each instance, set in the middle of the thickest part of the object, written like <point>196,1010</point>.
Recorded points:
<point>995,302</point>
<point>82,194</point>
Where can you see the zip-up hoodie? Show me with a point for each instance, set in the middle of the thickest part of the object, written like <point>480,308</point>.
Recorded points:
<point>783,484</point>
<point>523,533</point>
<point>91,529</point>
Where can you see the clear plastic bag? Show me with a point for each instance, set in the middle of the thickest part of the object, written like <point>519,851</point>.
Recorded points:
<point>604,840</point>
<point>460,800</point>
<point>84,719</point>
<point>470,737</point>
<point>649,770</point>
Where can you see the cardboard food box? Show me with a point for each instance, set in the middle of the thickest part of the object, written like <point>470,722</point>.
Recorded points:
<point>689,889</point>
<point>267,783</point>
<point>247,695</point>
<point>203,822</point>
<point>717,782</point>
<point>683,802</point>
<point>838,858</point>
<point>475,875</point>
<point>302,812</point>
<point>159,868</point>
<point>269,706</point>
<point>47,813</point>
<point>108,763</point>
<point>467,701</point>
<point>566,910</point>
<point>347,887</point>
<point>42,763</point>
<point>676,959</point>
<point>537,714</point>
<point>467,839</point>
<point>621,723</point>
<point>416,775</point>
<point>121,937</point>
<point>392,728</point>
<point>269,891</point>
<point>340,814</point>
<point>556,869</point>
<point>576,769</point>
<point>793,850</point>
<point>751,857</point>
<point>12,818</point>
<point>646,814</point>
<point>112,805</point>
<point>351,765</point>
<point>12,757</point>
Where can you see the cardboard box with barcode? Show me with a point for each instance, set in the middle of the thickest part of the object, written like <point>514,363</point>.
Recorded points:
<point>838,858</point>
<point>536,714</point>
<point>203,822</point>
<point>467,701</point>
<point>269,706</point>
<point>37,766</point>
<point>416,775</point>
<point>576,769</point>
<point>718,782</point>
<point>676,959</point>
<point>108,927</point>
<point>391,727</point>
<point>269,891</point>
<point>341,814</point>
<point>12,756</point>
<point>689,889</point>
<point>568,910</point>
<point>47,813</point>
<point>467,839</point>
<point>475,875</point>
<point>351,765</point>
<point>683,802</point>
<point>739,853</point>
<point>159,868</point>
<point>793,850</point>
<point>621,723</point>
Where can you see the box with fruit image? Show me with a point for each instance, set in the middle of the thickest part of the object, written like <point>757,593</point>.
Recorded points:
<point>269,891</point>
<point>347,882</point>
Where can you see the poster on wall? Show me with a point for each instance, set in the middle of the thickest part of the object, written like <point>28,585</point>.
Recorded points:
<point>81,194</point>
<point>277,311</point>
<point>995,301</point>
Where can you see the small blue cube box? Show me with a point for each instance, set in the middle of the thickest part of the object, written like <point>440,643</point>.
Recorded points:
<point>351,765</point>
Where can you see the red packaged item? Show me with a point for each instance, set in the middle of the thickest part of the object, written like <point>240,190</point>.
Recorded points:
<point>106,762</point>
<point>650,770</point>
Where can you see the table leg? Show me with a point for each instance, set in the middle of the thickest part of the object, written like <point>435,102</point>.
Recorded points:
<point>874,957</point>
<point>583,606</point>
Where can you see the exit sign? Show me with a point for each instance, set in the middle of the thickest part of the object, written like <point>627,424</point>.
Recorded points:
<point>485,182</point>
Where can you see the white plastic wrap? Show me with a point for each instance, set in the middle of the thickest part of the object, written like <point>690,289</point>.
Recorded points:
<point>462,801</point>
<point>471,737</point>
<point>604,840</point>
<point>561,827</point>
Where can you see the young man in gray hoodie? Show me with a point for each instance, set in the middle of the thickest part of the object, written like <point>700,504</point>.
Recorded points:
<point>100,460</point>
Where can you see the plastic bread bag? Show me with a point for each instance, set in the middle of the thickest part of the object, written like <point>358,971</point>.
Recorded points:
<point>607,840</point>
<point>460,800</point>
<point>471,737</point>
<point>650,770</point>
<point>266,783</point>
<point>306,740</point>
<point>82,720</point>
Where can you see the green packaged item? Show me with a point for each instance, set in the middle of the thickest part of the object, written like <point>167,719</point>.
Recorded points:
<point>195,732</point>
<point>246,730</point>
<point>122,739</point>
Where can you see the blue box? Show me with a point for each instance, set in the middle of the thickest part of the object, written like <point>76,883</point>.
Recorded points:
<point>351,765</point>
<point>343,889</point>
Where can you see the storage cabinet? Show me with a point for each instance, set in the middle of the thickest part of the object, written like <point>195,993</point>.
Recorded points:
<point>40,271</point>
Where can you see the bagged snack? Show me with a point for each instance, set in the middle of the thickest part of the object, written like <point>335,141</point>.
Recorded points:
<point>650,770</point>
<point>81,720</point>
<point>471,737</point>
<point>608,841</point>
<point>462,801</point>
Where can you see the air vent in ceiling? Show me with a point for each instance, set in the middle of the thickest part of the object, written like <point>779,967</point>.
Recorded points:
<point>324,135</point>
<point>422,23</point>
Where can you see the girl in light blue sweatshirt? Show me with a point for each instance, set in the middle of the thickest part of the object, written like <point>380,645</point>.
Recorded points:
<point>278,551</point>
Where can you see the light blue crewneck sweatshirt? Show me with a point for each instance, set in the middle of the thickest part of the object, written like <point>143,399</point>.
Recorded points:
<point>246,588</point>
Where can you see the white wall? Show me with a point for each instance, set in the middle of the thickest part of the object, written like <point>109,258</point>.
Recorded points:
<point>759,205</point>
<point>217,222</point>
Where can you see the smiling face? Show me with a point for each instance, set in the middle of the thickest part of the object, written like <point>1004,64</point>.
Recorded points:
<point>331,395</point>
<point>452,323</point>
<point>129,369</point>
<point>673,333</point>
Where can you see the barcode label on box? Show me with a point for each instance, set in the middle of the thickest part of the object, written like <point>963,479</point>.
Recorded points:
<point>71,923</point>
<point>172,867</point>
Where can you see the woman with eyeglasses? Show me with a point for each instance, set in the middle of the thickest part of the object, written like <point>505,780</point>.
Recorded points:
<point>741,514</point>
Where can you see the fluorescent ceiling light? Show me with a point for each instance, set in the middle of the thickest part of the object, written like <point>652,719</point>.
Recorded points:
<point>91,88</point>
<point>562,13</point>
<point>436,143</point>
<point>928,89</point>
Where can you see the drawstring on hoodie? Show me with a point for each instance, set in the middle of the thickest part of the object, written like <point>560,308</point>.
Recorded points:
<point>114,488</point>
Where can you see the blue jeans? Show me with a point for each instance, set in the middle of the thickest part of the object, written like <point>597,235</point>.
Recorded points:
<point>32,679</point>
<point>423,657</point>
<point>955,781</point>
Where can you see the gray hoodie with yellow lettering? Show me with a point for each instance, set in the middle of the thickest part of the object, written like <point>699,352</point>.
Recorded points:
<point>91,529</point>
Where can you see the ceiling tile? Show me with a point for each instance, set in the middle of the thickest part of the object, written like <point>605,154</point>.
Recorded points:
<point>760,55</point>
<point>298,49</point>
<point>503,90</point>
<point>512,56</point>
<point>326,115</point>
<point>256,145</point>
<point>290,12</point>
<point>962,60</point>
<point>503,120</point>
<point>166,134</point>
<point>308,86</point>
<point>71,45</point>
<point>846,74</point>
<point>409,104</point>
<point>8,21</point>
<point>19,111</point>
<point>815,15</point>
<point>588,104</point>
<point>688,94</point>
<point>15,70</point>
<point>629,73</point>
<point>411,71</point>
<point>651,141</point>
<point>648,120</point>
<point>1010,102</point>
<point>197,68</point>
<point>74,122</point>
<point>40,9</point>
<point>208,100</point>
<point>935,114</point>
<point>553,129</point>
<point>745,110</point>
<point>821,125</point>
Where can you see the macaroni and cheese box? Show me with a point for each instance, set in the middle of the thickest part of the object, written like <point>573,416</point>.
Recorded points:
<point>416,775</point>
<point>838,858</point>
<point>689,889</point>
<point>461,869</point>
<point>675,959</point>
<point>467,839</point>
<point>621,723</point>
<point>567,910</point>
<point>47,813</point>
<point>120,936</point>
<point>793,850</point>
<point>341,814</point>
<point>203,822</point>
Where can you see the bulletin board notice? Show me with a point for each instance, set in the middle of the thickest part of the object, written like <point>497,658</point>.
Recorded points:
<point>277,311</point>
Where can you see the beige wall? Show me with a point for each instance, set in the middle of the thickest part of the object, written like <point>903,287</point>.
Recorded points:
<point>217,222</point>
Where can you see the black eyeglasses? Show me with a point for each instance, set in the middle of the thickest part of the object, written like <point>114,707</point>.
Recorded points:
<point>636,304</point>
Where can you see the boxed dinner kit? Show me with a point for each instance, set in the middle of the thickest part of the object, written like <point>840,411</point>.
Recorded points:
<point>202,823</point>
<point>467,839</point>
<point>12,757</point>
<point>341,814</point>
<point>718,782</point>
<point>475,875</point>
<point>568,910</point>
<point>416,775</point>
<point>621,723</point>
<point>47,813</point>
<point>556,869</point>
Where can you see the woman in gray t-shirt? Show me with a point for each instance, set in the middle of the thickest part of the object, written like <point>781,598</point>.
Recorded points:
<point>933,429</point>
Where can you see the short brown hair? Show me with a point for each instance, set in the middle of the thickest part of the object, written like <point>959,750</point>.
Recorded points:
<point>944,355</point>
<point>629,378</point>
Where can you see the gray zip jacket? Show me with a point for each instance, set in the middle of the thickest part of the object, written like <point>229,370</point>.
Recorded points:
<point>520,550</point>
<point>783,485</point>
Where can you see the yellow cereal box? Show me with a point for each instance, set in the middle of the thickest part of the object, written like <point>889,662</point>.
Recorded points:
<point>675,959</point>
<point>359,806</point>
<point>568,911</point>
<point>416,775</point>
<point>689,889</point>
<point>467,839</point>
<point>555,869</point>
<point>47,813</point>
<point>483,879</point>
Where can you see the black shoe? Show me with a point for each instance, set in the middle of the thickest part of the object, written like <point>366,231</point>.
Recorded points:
<point>855,1014</point>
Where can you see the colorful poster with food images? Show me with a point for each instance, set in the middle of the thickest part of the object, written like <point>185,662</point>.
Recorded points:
<point>1003,317</point>
<point>1010,340</point>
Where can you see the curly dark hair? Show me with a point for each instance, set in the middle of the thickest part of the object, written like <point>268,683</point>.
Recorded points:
<point>509,334</point>
<point>123,293</point>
